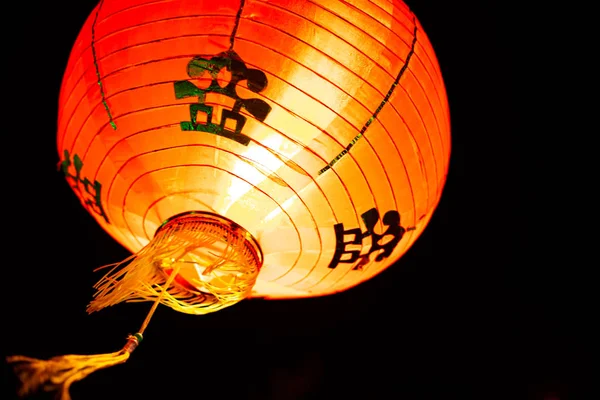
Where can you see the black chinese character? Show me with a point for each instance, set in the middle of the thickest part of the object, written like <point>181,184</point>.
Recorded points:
<point>256,82</point>
<point>342,254</point>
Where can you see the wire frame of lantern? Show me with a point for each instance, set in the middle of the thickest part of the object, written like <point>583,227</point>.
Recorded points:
<point>321,128</point>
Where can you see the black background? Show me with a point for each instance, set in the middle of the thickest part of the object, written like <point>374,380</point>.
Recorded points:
<point>478,308</point>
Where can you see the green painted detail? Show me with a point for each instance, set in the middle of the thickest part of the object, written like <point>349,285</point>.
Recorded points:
<point>88,192</point>
<point>380,107</point>
<point>104,103</point>
<point>256,81</point>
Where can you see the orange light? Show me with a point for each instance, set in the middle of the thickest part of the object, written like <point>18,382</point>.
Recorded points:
<point>319,127</point>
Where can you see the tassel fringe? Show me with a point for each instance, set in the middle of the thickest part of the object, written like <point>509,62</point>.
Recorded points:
<point>226,270</point>
<point>59,373</point>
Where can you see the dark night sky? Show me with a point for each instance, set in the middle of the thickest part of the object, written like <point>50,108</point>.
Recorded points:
<point>473,310</point>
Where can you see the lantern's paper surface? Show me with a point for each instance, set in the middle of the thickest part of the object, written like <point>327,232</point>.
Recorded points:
<point>320,127</point>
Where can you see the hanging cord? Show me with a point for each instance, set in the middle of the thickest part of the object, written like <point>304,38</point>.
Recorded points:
<point>58,373</point>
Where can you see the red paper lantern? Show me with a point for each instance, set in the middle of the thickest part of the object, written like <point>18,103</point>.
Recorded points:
<point>314,134</point>
<point>247,148</point>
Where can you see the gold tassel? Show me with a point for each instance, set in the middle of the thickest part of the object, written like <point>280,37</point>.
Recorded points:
<point>60,372</point>
<point>226,269</point>
<point>219,252</point>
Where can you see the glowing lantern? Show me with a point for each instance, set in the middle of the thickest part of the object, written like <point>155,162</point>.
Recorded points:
<point>317,127</point>
<point>262,148</point>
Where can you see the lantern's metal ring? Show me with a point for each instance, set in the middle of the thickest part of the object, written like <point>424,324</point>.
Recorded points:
<point>216,219</point>
<point>218,267</point>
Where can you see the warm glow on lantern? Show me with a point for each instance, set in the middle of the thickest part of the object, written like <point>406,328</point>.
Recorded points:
<point>319,127</point>
<point>247,148</point>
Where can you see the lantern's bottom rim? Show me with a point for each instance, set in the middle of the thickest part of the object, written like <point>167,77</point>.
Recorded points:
<point>220,264</point>
<point>225,222</point>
